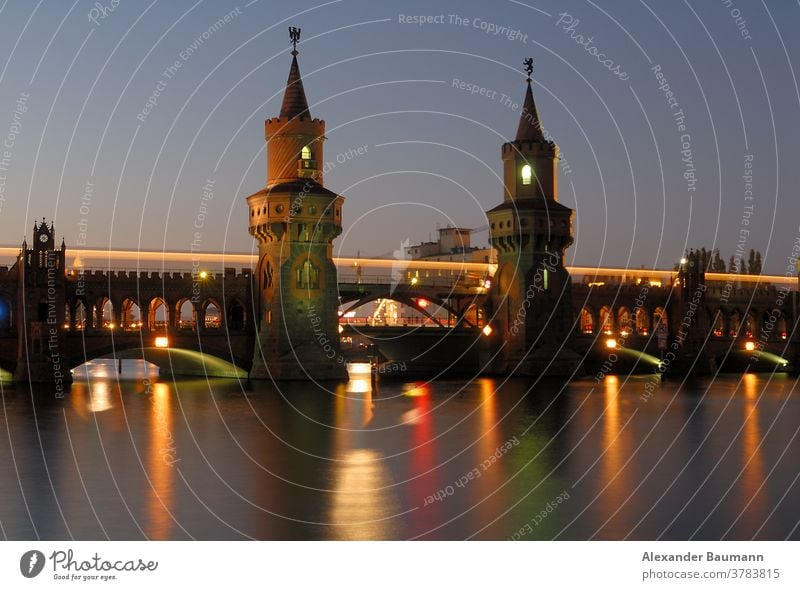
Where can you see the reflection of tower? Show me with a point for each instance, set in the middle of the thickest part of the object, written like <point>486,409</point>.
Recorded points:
<point>295,219</point>
<point>531,230</point>
<point>41,304</point>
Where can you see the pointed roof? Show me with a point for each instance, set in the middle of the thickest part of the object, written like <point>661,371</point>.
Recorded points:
<point>529,129</point>
<point>294,98</point>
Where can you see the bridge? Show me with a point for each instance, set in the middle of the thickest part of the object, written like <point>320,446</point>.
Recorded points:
<point>292,310</point>
<point>207,308</point>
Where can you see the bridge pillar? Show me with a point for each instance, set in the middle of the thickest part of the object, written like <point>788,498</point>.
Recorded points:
<point>41,312</point>
<point>691,325</point>
<point>295,219</point>
<point>531,303</point>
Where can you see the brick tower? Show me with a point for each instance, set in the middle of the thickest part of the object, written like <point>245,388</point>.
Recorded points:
<point>295,220</point>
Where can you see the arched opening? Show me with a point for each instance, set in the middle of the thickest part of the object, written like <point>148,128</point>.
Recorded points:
<point>624,321</point>
<point>606,320</point>
<point>236,316</point>
<point>527,174</point>
<point>307,275</point>
<point>781,328</point>
<point>660,318</point>
<point>718,329</point>
<point>749,325</point>
<point>103,314</point>
<point>79,315</point>
<point>212,316</point>
<point>587,322</point>
<point>642,322</point>
<point>185,314</point>
<point>733,324</point>
<point>5,315</point>
<point>305,153</point>
<point>158,315</point>
<point>131,318</point>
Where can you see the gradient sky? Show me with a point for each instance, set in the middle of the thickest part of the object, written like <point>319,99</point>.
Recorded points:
<point>432,151</point>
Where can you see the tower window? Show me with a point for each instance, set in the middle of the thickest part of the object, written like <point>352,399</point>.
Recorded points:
<point>527,174</point>
<point>305,153</point>
<point>307,276</point>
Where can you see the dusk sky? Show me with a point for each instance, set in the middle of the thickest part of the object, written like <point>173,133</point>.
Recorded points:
<point>430,149</point>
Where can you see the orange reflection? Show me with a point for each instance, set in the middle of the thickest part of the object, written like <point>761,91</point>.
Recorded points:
<point>161,461</point>
<point>617,444</point>
<point>752,476</point>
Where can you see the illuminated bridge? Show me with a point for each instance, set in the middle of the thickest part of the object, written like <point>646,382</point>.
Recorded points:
<point>163,305</point>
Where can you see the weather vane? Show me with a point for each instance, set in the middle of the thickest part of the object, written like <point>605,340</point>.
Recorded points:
<point>294,37</point>
<point>528,67</point>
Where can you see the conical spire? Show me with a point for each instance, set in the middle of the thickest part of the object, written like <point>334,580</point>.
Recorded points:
<point>294,98</point>
<point>530,128</point>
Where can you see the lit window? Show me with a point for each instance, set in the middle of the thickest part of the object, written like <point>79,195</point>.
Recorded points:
<point>307,276</point>
<point>527,174</point>
<point>305,153</point>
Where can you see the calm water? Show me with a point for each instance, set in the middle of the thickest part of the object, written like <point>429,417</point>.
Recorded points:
<point>224,460</point>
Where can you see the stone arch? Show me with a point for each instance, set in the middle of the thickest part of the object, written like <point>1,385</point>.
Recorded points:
<point>660,318</point>
<point>734,321</point>
<point>211,312</point>
<point>185,314</point>
<point>158,314</point>
<point>236,318</point>
<point>642,319</point>
<point>606,320</point>
<point>624,323</point>
<point>718,321</point>
<point>130,318</point>
<point>749,325</point>
<point>586,322</point>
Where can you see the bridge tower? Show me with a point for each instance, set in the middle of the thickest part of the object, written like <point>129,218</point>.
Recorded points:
<point>531,296</point>
<point>41,310</point>
<point>295,219</point>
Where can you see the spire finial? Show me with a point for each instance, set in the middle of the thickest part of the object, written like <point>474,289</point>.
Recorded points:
<point>294,37</point>
<point>528,62</point>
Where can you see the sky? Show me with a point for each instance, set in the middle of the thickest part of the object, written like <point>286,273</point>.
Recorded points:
<point>131,123</point>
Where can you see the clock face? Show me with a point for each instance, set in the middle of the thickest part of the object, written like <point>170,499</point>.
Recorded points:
<point>43,238</point>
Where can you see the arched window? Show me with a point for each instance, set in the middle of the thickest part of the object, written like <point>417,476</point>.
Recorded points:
<point>527,174</point>
<point>587,322</point>
<point>642,322</point>
<point>624,321</point>
<point>606,320</point>
<point>307,276</point>
<point>305,153</point>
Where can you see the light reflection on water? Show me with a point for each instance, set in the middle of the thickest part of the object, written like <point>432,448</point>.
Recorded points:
<point>138,458</point>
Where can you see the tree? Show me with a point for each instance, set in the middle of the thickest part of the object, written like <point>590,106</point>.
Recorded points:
<point>718,264</point>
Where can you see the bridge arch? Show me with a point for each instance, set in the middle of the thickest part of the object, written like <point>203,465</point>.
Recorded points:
<point>586,320</point>
<point>157,314</point>
<point>131,315</point>
<point>606,320</point>
<point>718,320</point>
<point>642,320</point>
<point>236,316</point>
<point>211,314</point>
<point>734,323</point>
<point>624,321</point>
<point>409,300</point>
<point>185,314</point>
